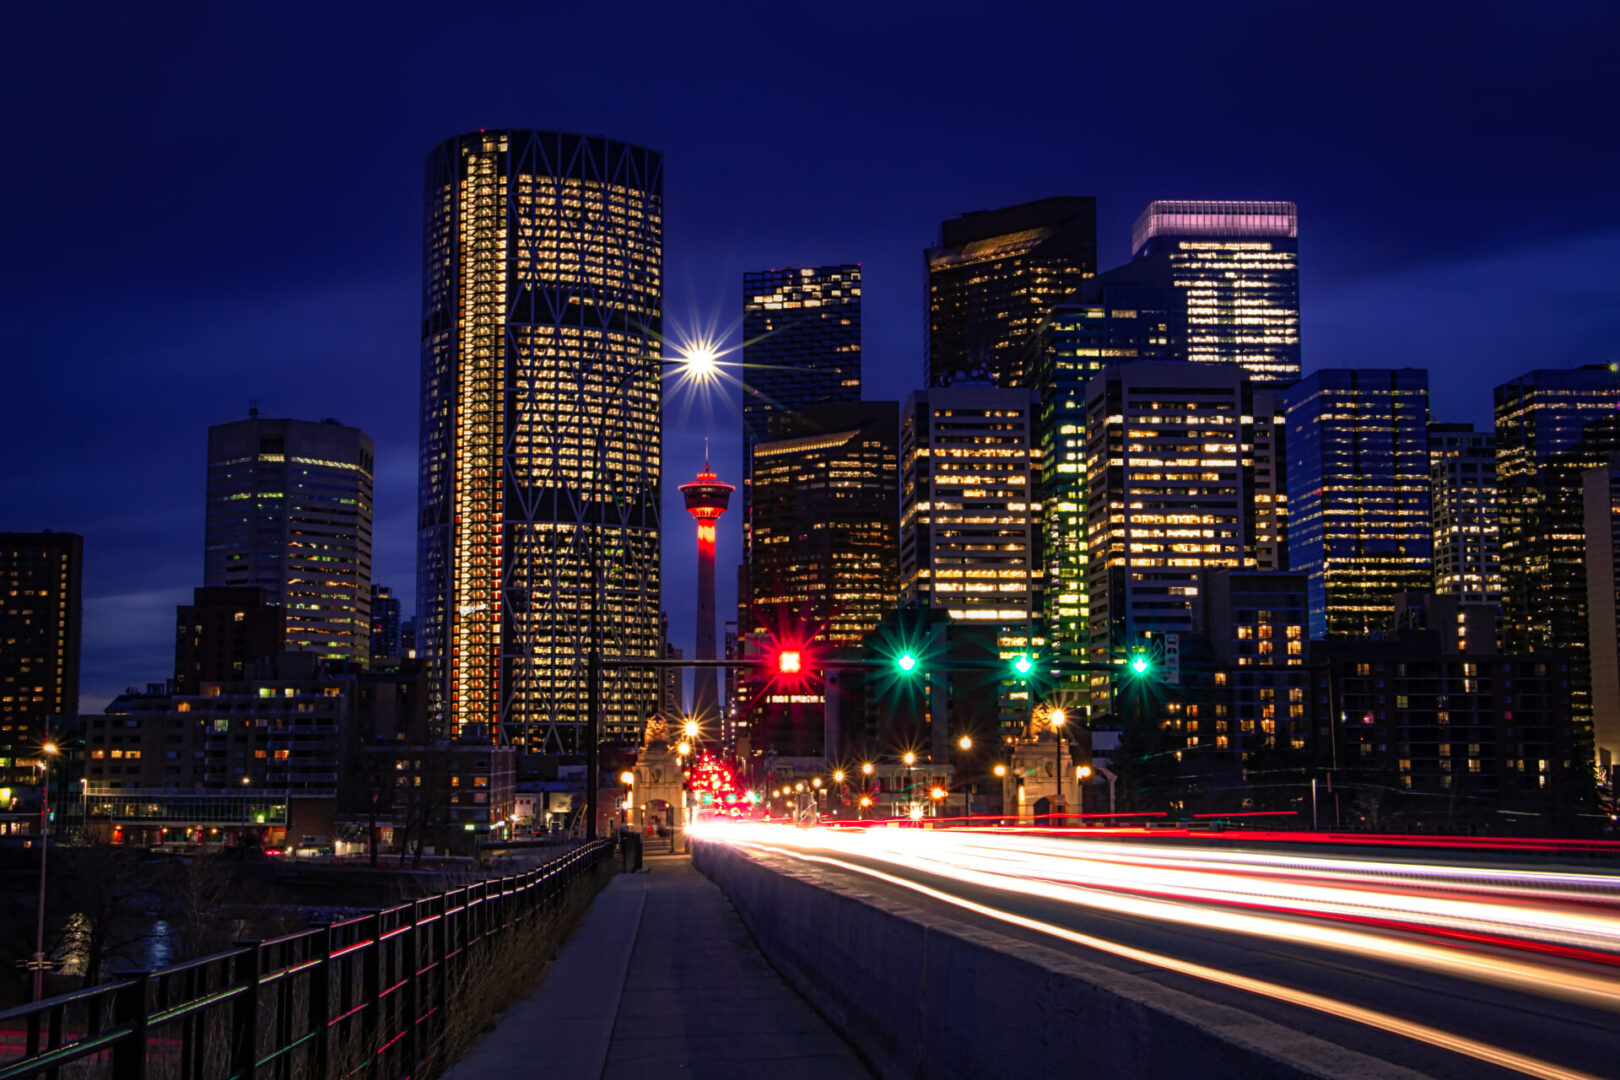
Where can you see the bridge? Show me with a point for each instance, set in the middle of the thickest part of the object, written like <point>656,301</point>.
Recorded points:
<point>896,950</point>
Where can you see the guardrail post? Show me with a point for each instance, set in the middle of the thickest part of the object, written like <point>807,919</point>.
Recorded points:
<point>129,1008</point>
<point>245,1017</point>
<point>371,985</point>
<point>412,990</point>
<point>320,1003</point>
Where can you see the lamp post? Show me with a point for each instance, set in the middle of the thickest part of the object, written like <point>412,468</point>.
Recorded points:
<point>699,362</point>
<point>911,785</point>
<point>627,780</point>
<point>1082,773</point>
<point>47,751</point>
<point>1057,716</point>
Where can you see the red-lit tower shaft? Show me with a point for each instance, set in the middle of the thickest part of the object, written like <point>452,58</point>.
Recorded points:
<point>706,499</point>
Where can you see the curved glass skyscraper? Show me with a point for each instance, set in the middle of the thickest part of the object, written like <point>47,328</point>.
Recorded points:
<point>540,440</point>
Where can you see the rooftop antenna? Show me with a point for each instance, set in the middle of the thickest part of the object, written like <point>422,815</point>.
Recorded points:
<point>253,408</point>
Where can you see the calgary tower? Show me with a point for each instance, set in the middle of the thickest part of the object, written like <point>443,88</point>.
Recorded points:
<point>706,499</point>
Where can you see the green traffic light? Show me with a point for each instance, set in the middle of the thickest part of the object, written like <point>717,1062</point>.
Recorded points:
<point>1140,664</point>
<point>1023,664</point>
<point>907,662</point>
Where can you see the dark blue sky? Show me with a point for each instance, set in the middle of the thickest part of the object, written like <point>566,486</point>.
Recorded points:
<point>209,205</point>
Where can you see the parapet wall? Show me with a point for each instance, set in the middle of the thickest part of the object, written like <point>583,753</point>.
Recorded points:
<point>920,995</point>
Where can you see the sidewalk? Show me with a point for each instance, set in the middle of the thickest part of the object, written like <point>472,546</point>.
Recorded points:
<point>661,980</point>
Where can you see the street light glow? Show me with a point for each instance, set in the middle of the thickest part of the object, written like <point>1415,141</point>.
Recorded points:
<point>910,758</point>
<point>838,776</point>
<point>1059,718</point>
<point>1000,769</point>
<point>965,742</point>
<point>627,778</point>
<point>49,748</point>
<point>691,729</point>
<point>866,767</point>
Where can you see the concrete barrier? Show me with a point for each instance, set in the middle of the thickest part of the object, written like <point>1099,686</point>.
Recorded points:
<point>924,997</point>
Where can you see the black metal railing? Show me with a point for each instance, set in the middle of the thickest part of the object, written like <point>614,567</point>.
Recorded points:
<point>375,995</point>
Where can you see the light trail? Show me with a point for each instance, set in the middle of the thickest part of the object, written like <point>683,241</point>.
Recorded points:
<point>1482,925</point>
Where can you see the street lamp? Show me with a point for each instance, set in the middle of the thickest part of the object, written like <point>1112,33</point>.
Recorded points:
<point>628,779</point>
<point>1058,717</point>
<point>691,729</point>
<point>965,742</point>
<point>1082,773</point>
<point>48,751</point>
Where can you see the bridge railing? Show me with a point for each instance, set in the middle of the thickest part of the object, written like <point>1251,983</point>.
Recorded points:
<point>378,993</point>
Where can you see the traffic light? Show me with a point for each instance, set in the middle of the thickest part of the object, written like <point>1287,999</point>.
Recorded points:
<point>906,662</point>
<point>1023,664</point>
<point>789,662</point>
<point>1141,664</point>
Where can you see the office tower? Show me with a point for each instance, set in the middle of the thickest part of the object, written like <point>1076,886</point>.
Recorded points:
<point>541,433</point>
<point>1600,504</point>
<point>41,612</point>
<point>1109,319</point>
<point>289,512</point>
<point>826,504</point>
<point>1170,494</point>
<point>801,347</point>
<point>669,686</point>
<point>1234,269</point>
<point>970,537</point>
<point>386,639</point>
<point>1358,493</point>
<point>826,500</point>
<point>993,276</point>
<point>1538,415</point>
<point>707,498</point>
<point>1462,507</point>
<point>1255,621</point>
<point>1270,483</point>
<point>407,637</point>
<point>221,631</point>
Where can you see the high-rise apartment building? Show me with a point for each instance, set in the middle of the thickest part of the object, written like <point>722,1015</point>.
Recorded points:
<point>1462,508</point>
<point>541,432</point>
<point>41,613</point>
<point>289,512</point>
<point>386,637</point>
<point>1600,503</point>
<point>1234,270</point>
<point>222,631</point>
<point>1539,414</point>
<point>801,347</point>
<point>1358,493</point>
<point>992,278</point>
<point>1169,495</point>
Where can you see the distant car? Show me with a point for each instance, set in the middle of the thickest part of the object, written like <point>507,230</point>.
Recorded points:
<point>311,847</point>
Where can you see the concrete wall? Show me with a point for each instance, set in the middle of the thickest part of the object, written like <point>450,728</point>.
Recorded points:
<point>922,996</point>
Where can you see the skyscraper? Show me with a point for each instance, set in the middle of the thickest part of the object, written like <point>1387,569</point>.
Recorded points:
<point>1538,414</point>
<point>993,276</point>
<point>1600,497</point>
<point>1169,494</point>
<point>1358,493</point>
<point>707,498</point>
<point>801,347</point>
<point>41,613</point>
<point>385,624</point>
<point>1467,539</point>
<point>1234,268</point>
<point>289,512</point>
<point>541,432</point>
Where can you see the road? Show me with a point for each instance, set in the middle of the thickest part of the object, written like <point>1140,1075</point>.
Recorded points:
<point>1452,969</point>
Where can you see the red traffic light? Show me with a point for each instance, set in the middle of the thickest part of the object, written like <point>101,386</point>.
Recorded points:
<point>789,662</point>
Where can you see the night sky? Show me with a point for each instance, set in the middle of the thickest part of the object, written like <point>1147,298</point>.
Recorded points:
<point>209,206</point>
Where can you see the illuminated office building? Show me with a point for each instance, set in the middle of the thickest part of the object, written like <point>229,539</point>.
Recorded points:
<point>1169,495</point>
<point>1109,319</point>
<point>41,612</point>
<point>1539,414</point>
<point>826,496</point>
<point>1270,483</point>
<point>970,530</point>
<point>289,512</point>
<point>1600,498</point>
<point>541,432</point>
<point>992,278</point>
<point>801,347</point>
<point>1462,494</point>
<point>1234,268</point>
<point>1358,493</point>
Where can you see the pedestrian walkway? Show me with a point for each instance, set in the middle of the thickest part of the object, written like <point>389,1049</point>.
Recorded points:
<point>661,980</point>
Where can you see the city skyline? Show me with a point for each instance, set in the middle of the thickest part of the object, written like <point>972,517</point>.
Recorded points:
<point>322,319</point>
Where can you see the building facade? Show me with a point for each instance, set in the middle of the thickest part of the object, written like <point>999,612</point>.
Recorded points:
<point>541,434</point>
<point>1169,495</point>
<point>1233,268</point>
<point>992,278</point>
<point>289,511</point>
<point>1358,493</point>
<point>386,634</point>
<point>801,347</point>
<point>1462,493</point>
<point>221,632</point>
<point>1600,504</point>
<point>41,620</point>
